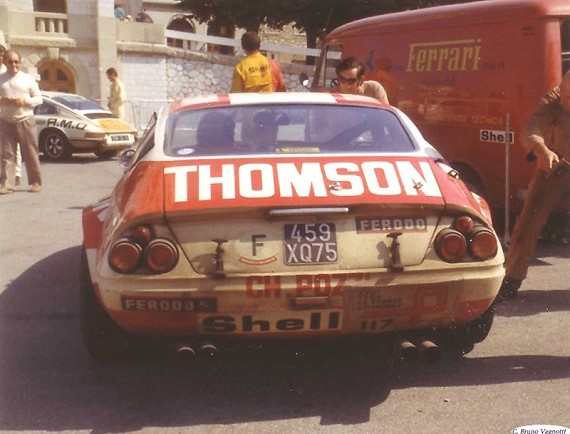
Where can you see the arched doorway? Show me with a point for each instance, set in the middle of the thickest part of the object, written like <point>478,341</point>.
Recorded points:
<point>56,76</point>
<point>181,23</point>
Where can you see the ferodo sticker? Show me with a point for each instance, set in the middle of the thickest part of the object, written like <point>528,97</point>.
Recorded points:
<point>389,224</point>
<point>316,321</point>
<point>151,304</point>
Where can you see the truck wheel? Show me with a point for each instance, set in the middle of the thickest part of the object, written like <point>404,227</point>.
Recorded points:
<point>104,339</point>
<point>55,146</point>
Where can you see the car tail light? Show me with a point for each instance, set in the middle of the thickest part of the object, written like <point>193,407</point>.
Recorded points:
<point>483,243</point>
<point>141,251</point>
<point>463,224</point>
<point>142,235</point>
<point>451,245</point>
<point>125,256</point>
<point>466,240</point>
<point>161,255</point>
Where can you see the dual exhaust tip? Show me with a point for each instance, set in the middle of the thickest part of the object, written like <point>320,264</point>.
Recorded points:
<point>406,349</point>
<point>187,352</point>
<point>422,348</point>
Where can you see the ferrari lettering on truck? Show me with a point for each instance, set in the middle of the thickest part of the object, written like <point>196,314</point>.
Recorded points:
<point>457,55</point>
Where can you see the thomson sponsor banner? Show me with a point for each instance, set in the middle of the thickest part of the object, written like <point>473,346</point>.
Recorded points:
<point>541,429</point>
<point>300,181</point>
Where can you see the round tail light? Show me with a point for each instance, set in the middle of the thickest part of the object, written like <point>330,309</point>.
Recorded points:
<point>124,256</point>
<point>142,235</point>
<point>483,243</point>
<point>451,245</point>
<point>161,255</point>
<point>463,224</point>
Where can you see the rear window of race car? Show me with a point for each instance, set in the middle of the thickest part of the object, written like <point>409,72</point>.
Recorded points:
<point>313,129</point>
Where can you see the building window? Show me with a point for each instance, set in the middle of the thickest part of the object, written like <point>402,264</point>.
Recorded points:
<point>224,29</point>
<point>54,6</point>
<point>180,23</point>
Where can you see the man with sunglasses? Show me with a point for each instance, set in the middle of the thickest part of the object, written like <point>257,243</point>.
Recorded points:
<point>350,77</point>
<point>19,94</point>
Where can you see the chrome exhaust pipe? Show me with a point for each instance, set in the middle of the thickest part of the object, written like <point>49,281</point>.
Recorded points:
<point>429,351</point>
<point>184,353</point>
<point>208,350</point>
<point>407,350</point>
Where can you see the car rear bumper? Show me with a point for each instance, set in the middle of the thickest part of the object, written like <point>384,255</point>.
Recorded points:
<point>301,306</point>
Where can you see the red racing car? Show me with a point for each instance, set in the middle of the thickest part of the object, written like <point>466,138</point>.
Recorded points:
<point>248,218</point>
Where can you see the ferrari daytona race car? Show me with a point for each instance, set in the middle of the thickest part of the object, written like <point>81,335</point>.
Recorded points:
<point>69,123</point>
<point>251,218</point>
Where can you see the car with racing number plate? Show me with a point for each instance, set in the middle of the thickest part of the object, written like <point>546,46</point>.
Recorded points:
<point>310,217</point>
<point>68,123</point>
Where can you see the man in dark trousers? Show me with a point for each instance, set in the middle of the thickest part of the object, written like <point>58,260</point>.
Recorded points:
<point>547,136</point>
<point>19,94</point>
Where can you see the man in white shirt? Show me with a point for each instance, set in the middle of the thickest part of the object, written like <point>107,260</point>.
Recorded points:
<point>2,70</point>
<point>19,94</point>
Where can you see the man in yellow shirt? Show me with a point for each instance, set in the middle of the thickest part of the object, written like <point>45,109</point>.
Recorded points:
<point>252,74</point>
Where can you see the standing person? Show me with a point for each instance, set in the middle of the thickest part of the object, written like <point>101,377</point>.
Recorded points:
<point>119,12</point>
<point>547,136</point>
<point>277,76</point>
<point>252,74</point>
<point>117,96</point>
<point>143,17</point>
<point>19,94</point>
<point>3,70</point>
<point>350,76</point>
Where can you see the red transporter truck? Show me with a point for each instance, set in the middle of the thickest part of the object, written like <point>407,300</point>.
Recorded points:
<point>468,75</point>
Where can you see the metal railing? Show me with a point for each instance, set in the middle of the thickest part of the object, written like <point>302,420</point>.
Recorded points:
<point>139,112</point>
<point>201,42</point>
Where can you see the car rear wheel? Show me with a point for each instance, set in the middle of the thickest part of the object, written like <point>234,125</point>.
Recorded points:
<point>55,145</point>
<point>463,338</point>
<point>107,155</point>
<point>104,339</point>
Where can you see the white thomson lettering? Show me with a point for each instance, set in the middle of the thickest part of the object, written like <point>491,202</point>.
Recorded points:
<point>308,179</point>
<point>247,174</point>
<point>352,184</point>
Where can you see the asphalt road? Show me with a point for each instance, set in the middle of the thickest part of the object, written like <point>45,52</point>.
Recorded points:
<point>518,376</point>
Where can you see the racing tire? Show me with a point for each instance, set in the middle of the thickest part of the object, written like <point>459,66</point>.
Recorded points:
<point>104,339</point>
<point>463,338</point>
<point>107,155</point>
<point>55,146</point>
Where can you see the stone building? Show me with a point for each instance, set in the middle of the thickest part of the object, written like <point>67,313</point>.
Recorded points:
<point>69,44</point>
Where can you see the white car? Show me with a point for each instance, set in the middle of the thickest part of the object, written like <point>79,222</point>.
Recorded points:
<point>248,218</point>
<point>69,123</point>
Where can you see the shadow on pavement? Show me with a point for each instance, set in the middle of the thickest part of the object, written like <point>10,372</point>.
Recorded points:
<point>49,382</point>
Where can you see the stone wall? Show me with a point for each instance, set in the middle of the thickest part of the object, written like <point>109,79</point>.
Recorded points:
<point>165,74</point>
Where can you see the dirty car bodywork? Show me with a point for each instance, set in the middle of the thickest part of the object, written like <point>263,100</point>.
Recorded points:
<point>252,218</point>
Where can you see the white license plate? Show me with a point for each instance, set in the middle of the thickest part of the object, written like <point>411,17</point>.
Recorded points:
<point>121,138</point>
<point>309,243</point>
